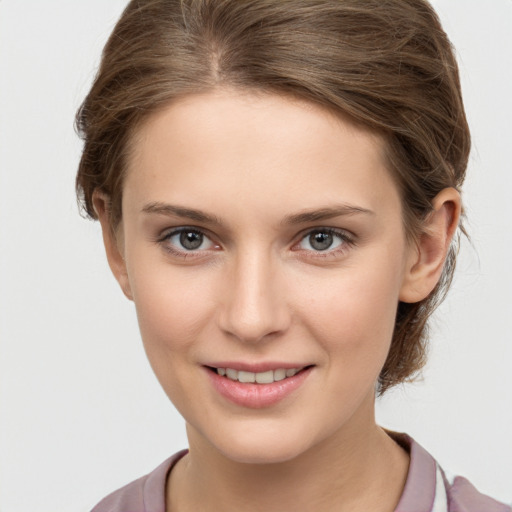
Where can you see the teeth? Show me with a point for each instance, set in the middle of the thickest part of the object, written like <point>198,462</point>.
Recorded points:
<point>246,377</point>
<point>280,374</point>
<point>265,377</point>
<point>231,374</point>
<point>261,378</point>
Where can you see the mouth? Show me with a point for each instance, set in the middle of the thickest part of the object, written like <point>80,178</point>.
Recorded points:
<point>265,386</point>
<point>266,377</point>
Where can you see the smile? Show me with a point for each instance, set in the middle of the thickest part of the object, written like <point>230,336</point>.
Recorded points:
<point>267,377</point>
<point>257,389</point>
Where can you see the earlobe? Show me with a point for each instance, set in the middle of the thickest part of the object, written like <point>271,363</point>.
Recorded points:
<point>427,256</point>
<point>113,245</point>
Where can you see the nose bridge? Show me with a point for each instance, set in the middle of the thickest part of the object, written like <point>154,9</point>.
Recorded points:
<point>255,306</point>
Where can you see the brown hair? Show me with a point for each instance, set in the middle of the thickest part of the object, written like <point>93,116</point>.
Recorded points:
<point>387,64</point>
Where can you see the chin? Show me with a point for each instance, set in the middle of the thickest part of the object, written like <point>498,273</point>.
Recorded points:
<point>260,445</point>
<point>264,453</point>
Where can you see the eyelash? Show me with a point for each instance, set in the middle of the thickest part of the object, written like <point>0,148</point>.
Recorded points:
<point>346,241</point>
<point>164,241</point>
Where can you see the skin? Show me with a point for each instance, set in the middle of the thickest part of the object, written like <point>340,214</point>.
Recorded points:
<point>257,290</point>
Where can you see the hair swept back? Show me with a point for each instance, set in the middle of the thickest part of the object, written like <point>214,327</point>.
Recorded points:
<point>387,64</point>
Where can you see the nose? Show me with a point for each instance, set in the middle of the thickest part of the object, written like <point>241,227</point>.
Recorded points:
<point>254,306</point>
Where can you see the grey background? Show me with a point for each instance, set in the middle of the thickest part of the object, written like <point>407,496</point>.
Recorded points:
<point>81,413</point>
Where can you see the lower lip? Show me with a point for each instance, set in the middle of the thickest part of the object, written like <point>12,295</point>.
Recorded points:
<point>257,396</point>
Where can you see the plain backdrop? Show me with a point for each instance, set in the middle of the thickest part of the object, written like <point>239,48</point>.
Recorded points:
<point>81,413</point>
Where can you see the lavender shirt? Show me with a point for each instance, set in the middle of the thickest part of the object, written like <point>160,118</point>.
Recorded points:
<point>427,488</point>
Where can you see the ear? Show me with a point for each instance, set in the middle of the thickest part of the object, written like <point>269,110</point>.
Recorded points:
<point>427,257</point>
<point>113,242</point>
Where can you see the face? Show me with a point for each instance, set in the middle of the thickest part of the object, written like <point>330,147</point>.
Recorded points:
<point>264,248</point>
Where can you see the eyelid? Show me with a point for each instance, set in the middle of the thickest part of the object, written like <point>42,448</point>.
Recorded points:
<point>168,233</point>
<point>347,238</point>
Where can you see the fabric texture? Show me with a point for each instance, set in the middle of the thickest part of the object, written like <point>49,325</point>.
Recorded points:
<point>427,489</point>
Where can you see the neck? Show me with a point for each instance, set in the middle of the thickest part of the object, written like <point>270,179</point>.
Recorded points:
<point>357,469</point>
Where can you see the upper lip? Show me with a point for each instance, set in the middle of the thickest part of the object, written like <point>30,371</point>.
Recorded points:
<point>255,367</point>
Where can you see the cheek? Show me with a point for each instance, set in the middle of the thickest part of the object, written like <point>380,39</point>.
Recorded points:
<point>171,308</point>
<point>172,314</point>
<point>352,313</point>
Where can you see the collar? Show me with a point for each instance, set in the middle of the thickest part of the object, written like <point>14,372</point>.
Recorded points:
<point>424,489</point>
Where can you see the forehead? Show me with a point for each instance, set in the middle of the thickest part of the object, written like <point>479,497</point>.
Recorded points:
<point>259,146</point>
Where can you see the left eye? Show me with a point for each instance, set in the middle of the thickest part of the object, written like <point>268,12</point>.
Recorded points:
<point>189,240</point>
<point>322,240</point>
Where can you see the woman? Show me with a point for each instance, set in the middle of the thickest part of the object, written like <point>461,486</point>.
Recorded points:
<point>278,188</point>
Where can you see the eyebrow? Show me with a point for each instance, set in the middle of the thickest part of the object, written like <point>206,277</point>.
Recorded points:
<point>303,217</point>
<point>325,213</point>
<point>181,211</point>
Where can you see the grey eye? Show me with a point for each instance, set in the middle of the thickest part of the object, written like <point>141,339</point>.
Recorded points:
<point>322,240</point>
<point>187,241</point>
<point>191,240</point>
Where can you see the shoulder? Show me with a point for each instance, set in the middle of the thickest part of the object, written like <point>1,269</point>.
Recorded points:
<point>464,497</point>
<point>146,494</point>
<point>428,489</point>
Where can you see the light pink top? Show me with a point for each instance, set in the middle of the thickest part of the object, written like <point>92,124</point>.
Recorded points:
<point>426,490</point>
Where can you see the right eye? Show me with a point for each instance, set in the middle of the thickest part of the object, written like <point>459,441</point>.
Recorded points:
<point>187,240</point>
